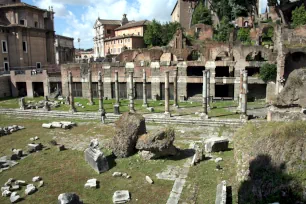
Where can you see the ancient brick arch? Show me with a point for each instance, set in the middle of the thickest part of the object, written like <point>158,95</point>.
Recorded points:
<point>217,51</point>
<point>255,50</point>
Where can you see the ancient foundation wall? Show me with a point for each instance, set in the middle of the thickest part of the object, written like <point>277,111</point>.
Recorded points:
<point>5,86</point>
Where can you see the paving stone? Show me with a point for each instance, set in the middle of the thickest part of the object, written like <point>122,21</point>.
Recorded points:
<point>216,144</point>
<point>69,198</point>
<point>117,174</point>
<point>6,193</point>
<point>96,159</point>
<point>36,179</point>
<point>178,185</point>
<point>20,182</point>
<point>221,193</point>
<point>41,184</point>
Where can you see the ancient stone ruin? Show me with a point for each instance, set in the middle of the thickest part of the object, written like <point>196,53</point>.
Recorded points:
<point>128,129</point>
<point>157,144</point>
<point>10,129</point>
<point>96,159</point>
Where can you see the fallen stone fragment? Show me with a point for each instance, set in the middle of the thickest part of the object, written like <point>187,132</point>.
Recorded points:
<point>9,182</point>
<point>121,197</point>
<point>151,109</point>
<point>18,152</point>
<point>36,179</point>
<point>124,175</point>
<point>149,180</point>
<point>34,147</point>
<point>41,184</point>
<point>218,159</point>
<point>221,193</point>
<point>91,183</point>
<point>69,198</point>
<point>36,138</point>
<point>30,189</point>
<point>14,198</point>
<point>56,124</point>
<point>15,188</point>
<point>47,125</point>
<point>117,174</point>
<point>20,182</point>
<point>128,177</point>
<point>14,157</point>
<point>216,144</point>
<point>68,123</point>
<point>96,159</point>
<point>6,193</point>
<point>94,143</point>
<point>6,188</point>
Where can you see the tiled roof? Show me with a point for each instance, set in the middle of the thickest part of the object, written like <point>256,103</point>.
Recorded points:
<point>110,22</point>
<point>133,24</point>
<point>21,5</point>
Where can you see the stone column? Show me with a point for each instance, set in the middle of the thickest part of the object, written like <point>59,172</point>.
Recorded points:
<point>117,87</point>
<point>204,115</point>
<point>100,90</point>
<point>244,96</point>
<point>241,89</point>
<point>131,94</point>
<point>208,89</point>
<point>90,97</point>
<point>144,88</point>
<point>71,98</point>
<point>175,89</point>
<point>167,94</point>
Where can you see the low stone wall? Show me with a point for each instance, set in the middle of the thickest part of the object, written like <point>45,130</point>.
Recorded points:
<point>154,118</point>
<point>5,86</point>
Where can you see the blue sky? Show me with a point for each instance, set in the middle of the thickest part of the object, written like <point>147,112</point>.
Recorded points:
<point>76,18</point>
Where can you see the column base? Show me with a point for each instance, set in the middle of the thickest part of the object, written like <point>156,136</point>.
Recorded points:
<point>244,117</point>
<point>204,116</point>
<point>73,110</point>
<point>117,109</point>
<point>167,115</point>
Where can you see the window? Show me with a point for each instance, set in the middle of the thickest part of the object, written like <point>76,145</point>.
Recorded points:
<point>24,46</point>
<point>138,33</point>
<point>6,66</point>
<point>35,24</point>
<point>22,22</point>
<point>129,40</point>
<point>4,46</point>
<point>121,41</point>
<point>38,65</point>
<point>114,41</point>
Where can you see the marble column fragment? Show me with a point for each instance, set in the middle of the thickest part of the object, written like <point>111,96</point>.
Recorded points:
<point>90,97</point>
<point>144,88</point>
<point>71,97</point>
<point>131,94</point>
<point>100,90</point>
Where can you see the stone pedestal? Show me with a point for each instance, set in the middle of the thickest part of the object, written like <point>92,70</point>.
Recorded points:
<point>96,159</point>
<point>22,104</point>
<point>117,109</point>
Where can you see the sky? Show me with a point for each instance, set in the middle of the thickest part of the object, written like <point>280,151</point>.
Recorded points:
<point>76,18</point>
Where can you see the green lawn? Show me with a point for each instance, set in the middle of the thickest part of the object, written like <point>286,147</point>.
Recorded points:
<point>68,172</point>
<point>219,109</point>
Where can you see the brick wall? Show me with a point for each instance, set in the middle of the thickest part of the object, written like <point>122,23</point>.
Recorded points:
<point>5,86</point>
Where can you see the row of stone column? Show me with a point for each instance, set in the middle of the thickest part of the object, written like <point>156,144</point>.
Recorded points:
<point>206,92</point>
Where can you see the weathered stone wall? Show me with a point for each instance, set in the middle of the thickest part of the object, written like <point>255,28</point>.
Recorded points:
<point>5,86</point>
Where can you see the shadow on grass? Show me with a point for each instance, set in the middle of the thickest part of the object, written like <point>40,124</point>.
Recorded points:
<point>111,161</point>
<point>182,154</point>
<point>269,183</point>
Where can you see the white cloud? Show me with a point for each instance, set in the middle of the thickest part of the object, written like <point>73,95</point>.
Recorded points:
<point>80,24</point>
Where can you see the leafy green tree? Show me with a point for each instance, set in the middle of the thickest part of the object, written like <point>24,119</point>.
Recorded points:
<point>299,16</point>
<point>223,30</point>
<point>201,15</point>
<point>244,35</point>
<point>267,36</point>
<point>153,34</point>
<point>157,34</point>
<point>268,72</point>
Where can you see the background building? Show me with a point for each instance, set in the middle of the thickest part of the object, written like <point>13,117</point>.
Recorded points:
<point>64,49</point>
<point>26,36</point>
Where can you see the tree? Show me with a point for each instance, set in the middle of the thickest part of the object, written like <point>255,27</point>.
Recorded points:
<point>153,34</point>
<point>223,30</point>
<point>268,72</point>
<point>157,34</point>
<point>201,15</point>
<point>277,4</point>
<point>244,35</point>
<point>299,16</point>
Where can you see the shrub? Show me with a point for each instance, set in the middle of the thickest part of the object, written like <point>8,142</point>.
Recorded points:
<point>268,72</point>
<point>299,16</point>
<point>244,34</point>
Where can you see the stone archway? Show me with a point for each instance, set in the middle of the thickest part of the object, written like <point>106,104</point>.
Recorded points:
<point>256,56</point>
